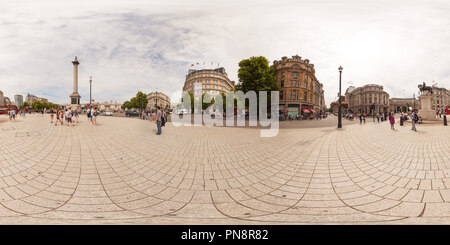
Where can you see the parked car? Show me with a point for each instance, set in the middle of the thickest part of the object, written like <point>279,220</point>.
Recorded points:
<point>132,113</point>
<point>107,113</point>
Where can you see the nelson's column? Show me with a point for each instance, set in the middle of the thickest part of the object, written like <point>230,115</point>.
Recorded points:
<point>75,96</point>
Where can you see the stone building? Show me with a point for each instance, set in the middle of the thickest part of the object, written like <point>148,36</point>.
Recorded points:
<point>361,99</point>
<point>440,99</point>
<point>109,106</point>
<point>213,81</point>
<point>18,99</point>
<point>158,98</point>
<point>300,91</point>
<point>2,99</point>
<point>32,98</point>
<point>398,105</point>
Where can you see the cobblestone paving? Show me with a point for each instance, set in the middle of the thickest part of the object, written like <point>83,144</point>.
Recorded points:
<point>120,172</point>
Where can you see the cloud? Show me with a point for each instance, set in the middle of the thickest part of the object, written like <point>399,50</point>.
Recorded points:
<point>139,45</point>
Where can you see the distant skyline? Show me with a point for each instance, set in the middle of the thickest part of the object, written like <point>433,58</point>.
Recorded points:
<point>134,45</point>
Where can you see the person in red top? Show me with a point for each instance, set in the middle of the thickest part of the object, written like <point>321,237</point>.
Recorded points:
<point>392,120</point>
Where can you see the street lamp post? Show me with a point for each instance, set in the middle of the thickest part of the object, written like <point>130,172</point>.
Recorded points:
<point>339,111</point>
<point>156,97</point>
<point>414,100</point>
<point>90,91</point>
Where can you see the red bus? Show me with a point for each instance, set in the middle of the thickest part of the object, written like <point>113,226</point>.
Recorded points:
<point>447,110</point>
<point>5,108</point>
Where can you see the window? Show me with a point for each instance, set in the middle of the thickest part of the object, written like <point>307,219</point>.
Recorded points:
<point>306,84</point>
<point>282,83</point>
<point>294,83</point>
<point>305,96</point>
<point>296,66</point>
<point>282,74</point>
<point>281,95</point>
<point>306,77</point>
<point>294,74</point>
<point>294,95</point>
<point>283,65</point>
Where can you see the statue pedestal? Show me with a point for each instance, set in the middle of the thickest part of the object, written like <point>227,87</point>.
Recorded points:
<point>426,112</point>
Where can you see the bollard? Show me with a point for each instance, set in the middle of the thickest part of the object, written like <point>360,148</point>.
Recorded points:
<point>445,120</point>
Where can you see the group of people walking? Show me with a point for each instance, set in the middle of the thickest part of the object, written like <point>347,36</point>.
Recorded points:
<point>71,116</point>
<point>390,116</point>
<point>92,114</point>
<point>68,115</point>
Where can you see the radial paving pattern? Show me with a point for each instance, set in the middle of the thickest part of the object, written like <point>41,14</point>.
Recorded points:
<point>120,172</point>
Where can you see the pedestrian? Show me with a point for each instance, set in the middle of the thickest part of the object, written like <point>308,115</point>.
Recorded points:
<point>14,114</point>
<point>94,116</point>
<point>51,115</point>
<point>69,117</point>
<point>378,117</point>
<point>414,119</point>
<point>75,113</point>
<point>364,118</point>
<point>392,120</point>
<point>360,118</point>
<point>58,113</point>
<point>158,120</point>
<point>89,114</point>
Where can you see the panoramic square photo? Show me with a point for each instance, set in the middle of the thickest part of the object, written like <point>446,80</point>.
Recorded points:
<point>224,113</point>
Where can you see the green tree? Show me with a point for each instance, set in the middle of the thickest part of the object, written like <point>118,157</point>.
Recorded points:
<point>255,74</point>
<point>37,105</point>
<point>126,105</point>
<point>25,104</point>
<point>140,101</point>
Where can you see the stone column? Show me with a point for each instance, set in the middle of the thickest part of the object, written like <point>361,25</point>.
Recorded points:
<point>75,75</point>
<point>75,96</point>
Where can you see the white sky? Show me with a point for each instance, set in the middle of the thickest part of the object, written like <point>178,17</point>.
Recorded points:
<point>143,45</point>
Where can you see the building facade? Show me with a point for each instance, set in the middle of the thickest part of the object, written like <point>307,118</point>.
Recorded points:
<point>398,105</point>
<point>32,98</point>
<point>363,99</point>
<point>440,99</point>
<point>213,81</point>
<point>158,98</point>
<point>109,106</point>
<point>2,99</point>
<point>18,99</point>
<point>300,91</point>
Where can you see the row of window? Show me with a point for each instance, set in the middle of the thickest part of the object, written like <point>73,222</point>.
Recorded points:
<point>295,74</point>
<point>294,95</point>
<point>295,83</point>
<point>207,86</point>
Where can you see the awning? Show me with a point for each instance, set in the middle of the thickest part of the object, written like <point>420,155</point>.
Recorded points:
<point>306,111</point>
<point>312,110</point>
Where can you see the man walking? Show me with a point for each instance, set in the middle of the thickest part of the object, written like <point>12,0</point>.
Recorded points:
<point>413,120</point>
<point>158,120</point>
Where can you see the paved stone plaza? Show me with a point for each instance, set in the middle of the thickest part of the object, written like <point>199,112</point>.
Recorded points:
<point>120,172</point>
